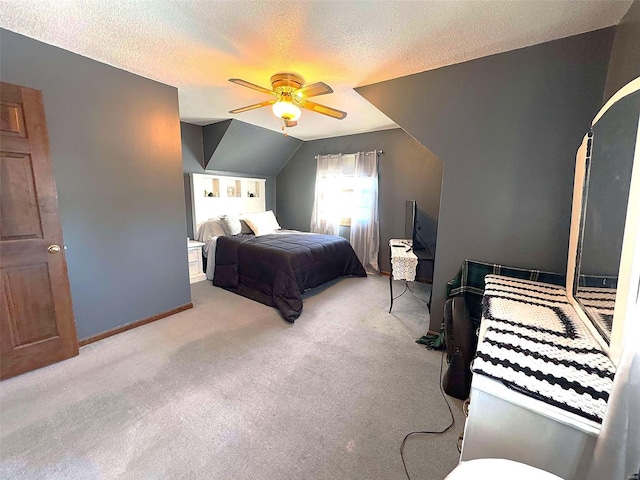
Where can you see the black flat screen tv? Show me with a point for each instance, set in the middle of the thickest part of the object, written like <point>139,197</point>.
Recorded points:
<point>411,225</point>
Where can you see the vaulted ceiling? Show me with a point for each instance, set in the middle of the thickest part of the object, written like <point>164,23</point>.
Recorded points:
<point>197,46</point>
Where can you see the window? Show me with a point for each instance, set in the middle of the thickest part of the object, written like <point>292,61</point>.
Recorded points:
<point>346,194</point>
<point>345,198</point>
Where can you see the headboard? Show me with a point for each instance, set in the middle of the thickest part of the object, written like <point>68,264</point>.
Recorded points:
<point>215,195</point>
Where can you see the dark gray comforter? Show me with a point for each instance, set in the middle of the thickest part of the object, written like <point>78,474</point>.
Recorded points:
<point>276,269</point>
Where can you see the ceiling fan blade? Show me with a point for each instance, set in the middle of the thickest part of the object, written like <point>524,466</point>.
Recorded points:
<point>290,123</point>
<point>253,107</point>
<point>253,86</point>
<point>313,90</point>
<point>323,109</point>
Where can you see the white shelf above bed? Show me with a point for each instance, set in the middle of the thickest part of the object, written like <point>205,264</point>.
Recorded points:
<point>215,195</point>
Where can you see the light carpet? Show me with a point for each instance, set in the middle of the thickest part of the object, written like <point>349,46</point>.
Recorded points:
<point>228,390</point>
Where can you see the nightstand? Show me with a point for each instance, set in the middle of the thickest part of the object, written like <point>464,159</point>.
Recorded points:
<point>194,251</point>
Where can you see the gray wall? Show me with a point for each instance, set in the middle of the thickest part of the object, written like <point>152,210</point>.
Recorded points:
<point>192,160</point>
<point>625,55</point>
<point>507,128</point>
<point>235,146</point>
<point>192,148</point>
<point>193,155</point>
<point>115,147</point>
<point>408,171</point>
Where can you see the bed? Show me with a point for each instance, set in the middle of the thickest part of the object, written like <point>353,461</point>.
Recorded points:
<point>276,268</point>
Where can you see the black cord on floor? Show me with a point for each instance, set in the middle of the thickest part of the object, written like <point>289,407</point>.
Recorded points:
<point>429,432</point>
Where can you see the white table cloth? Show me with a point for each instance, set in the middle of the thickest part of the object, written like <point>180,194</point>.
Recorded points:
<point>404,262</point>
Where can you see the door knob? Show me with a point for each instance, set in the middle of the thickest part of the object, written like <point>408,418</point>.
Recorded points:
<point>54,248</point>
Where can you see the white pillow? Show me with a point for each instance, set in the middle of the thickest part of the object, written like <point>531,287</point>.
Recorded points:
<point>209,229</point>
<point>262,223</point>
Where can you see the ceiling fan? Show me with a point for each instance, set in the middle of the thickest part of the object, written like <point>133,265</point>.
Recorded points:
<point>291,94</point>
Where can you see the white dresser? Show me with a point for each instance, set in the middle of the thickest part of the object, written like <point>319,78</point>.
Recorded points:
<point>531,341</point>
<point>194,251</point>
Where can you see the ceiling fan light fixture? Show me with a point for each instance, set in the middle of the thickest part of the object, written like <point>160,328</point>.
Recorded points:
<point>286,110</point>
<point>290,94</point>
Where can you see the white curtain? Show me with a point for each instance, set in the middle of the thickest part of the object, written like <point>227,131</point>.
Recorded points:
<point>365,224</point>
<point>326,214</point>
<point>617,452</point>
<point>347,187</point>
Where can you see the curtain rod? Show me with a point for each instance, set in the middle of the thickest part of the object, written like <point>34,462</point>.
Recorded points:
<point>379,152</point>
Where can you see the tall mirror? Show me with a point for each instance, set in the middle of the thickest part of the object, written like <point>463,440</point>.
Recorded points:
<point>605,199</point>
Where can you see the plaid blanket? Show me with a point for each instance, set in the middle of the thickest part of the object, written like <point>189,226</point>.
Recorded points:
<point>469,282</point>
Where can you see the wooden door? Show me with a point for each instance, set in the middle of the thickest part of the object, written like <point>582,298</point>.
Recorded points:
<point>36,324</point>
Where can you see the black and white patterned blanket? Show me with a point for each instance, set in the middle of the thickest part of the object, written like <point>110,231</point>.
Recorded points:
<point>536,343</point>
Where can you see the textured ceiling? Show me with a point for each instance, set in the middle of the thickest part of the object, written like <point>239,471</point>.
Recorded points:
<point>197,45</point>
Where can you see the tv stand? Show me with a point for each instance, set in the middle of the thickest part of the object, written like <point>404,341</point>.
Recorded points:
<point>404,264</point>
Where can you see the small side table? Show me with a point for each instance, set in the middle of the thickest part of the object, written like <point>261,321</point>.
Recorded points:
<point>404,264</point>
<point>194,251</point>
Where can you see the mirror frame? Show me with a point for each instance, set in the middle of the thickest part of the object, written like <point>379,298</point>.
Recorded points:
<point>628,293</point>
